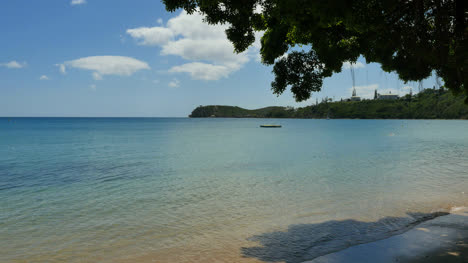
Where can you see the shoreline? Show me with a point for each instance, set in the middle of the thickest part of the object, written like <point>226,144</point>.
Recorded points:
<point>438,240</point>
<point>12,118</point>
<point>461,119</point>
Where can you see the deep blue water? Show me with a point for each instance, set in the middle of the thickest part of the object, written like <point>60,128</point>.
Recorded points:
<point>202,190</point>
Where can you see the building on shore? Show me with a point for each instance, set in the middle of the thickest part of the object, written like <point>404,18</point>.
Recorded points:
<point>354,97</point>
<point>388,96</point>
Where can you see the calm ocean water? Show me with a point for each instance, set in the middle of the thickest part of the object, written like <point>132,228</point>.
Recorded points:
<point>219,190</point>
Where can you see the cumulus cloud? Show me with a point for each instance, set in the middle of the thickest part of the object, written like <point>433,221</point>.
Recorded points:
<point>78,2</point>
<point>175,83</point>
<point>206,47</point>
<point>357,64</point>
<point>160,21</point>
<point>13,64</point>
<point>106,65</point>
<point>43,77</point>
<point>151,36</point>
<point>198,70</point>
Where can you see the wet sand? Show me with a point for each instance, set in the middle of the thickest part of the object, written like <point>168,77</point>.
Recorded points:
<point>443,239</point>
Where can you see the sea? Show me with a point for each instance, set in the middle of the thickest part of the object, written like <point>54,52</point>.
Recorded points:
<point>220,190</point>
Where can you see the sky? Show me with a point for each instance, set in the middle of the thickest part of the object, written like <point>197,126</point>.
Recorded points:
<point>120,58</point>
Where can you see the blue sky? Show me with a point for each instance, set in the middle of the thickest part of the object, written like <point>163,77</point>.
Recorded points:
<point>132,58</point>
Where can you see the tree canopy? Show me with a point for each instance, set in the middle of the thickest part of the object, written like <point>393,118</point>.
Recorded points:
<point>412,38</point>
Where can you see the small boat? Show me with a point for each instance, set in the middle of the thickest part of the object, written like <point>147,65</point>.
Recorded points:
<point>270,126</point>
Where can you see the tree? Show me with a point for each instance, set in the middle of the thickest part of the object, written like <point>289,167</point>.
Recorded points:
<point>410,37</point>
<point>375,95</point>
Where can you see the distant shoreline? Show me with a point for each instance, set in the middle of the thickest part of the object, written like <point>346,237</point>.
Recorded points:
<point>323,118</point>
<point>427,105</point>
<point>16,118</point>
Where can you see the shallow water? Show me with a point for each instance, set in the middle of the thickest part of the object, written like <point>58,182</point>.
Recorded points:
<point>219,190</point>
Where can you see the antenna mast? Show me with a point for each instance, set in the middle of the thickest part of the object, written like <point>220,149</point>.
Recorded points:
<point>351,67</point>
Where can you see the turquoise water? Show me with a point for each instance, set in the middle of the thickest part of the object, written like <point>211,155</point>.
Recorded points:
<point>219,190</point>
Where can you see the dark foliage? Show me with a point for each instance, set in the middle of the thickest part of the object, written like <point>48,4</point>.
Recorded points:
<point>410,37</point>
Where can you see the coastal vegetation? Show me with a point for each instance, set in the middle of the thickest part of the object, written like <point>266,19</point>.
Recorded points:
<point>308,41</point>
<point>428,104</point>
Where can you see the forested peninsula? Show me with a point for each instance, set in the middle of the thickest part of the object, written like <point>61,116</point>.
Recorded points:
<point>428,104</point>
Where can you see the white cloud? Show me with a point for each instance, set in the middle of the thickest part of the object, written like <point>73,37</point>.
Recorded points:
<point>43,77</point>
<point>151,36</point>
<point>13,64</point>
<point>106,65</point>
<point>77,2</point>
<point>92,87</point>
<point>205,46</point>
<point>255,49</point>
<point>408,88</point>
<point>285,55</point>
<point>160,21</point>
<point>62,68</point>
<point>97,76</point>
<point>215,50</point>
<point>175,83</point>
<point>356,65</point>
<point>198,70</point>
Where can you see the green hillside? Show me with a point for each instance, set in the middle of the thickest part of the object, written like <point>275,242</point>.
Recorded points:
<point>429,104</point>
<point>237,112</point>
